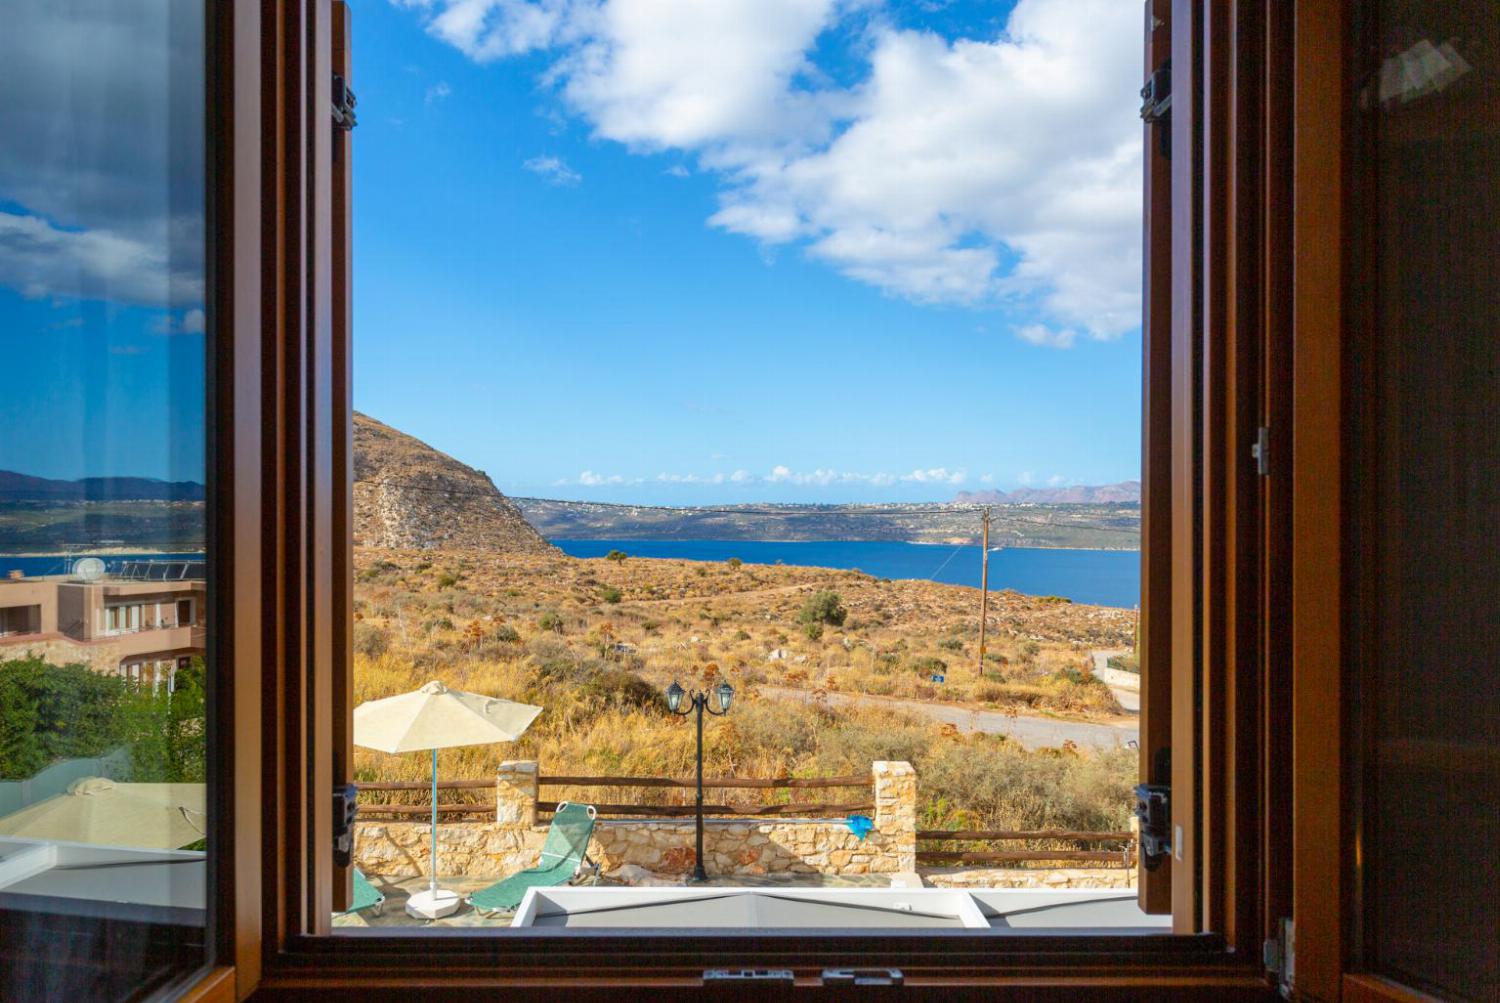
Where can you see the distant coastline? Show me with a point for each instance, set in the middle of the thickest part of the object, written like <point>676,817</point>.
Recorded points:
<point>1092,576</point>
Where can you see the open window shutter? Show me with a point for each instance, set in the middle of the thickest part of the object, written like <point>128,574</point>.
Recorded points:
<point>1153,643</point>
<point>341,663</point>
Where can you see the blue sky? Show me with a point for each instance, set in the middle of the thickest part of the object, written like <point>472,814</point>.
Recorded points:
<point>672,252</point>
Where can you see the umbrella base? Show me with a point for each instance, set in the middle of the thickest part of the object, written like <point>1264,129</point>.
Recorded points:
<point>433,904</point>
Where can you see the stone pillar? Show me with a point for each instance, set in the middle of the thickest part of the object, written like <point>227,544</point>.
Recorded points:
<point>515,794</point>
<point>896,814</point>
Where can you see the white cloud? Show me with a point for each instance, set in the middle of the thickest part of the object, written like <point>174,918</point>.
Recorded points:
<point>1025,477</point>
<point>486,30</point>
<point>39,259</point>
<point>998,171</point>
<point>190,322</point>
<point>1041,334</point>
<point>553,170</point>
<point>1056,479</point>
<point>677,171</point>
<point>437,92</point>
<point>589,479</point>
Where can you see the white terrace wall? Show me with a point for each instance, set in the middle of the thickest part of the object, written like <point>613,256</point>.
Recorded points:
<point>730,846</point>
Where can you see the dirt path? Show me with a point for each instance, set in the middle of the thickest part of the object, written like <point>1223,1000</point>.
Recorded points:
<point>776,591</point>
<point>1032,732</point>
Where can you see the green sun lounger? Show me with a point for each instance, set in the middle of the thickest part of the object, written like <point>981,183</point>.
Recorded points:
<point>563,856</point>
<point>366,895</point>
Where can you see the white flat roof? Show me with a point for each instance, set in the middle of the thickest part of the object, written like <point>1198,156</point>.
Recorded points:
<point>718,907</point>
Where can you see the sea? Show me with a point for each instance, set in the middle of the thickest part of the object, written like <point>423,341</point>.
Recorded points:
<point>1097,577</point>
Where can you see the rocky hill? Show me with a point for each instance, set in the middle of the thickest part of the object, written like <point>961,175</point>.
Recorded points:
<point>408,495</point>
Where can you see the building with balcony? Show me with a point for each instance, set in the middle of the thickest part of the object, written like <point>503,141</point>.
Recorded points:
<point>143,619</point>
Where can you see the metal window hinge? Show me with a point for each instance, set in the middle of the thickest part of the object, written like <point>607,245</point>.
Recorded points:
<point>1156,105</point>
<point>344,808</point>
<point>1260,451</point>
<point>1279,955</point>
<point>343,104</point>
<point>863,977</point>
<point>1153,812</point>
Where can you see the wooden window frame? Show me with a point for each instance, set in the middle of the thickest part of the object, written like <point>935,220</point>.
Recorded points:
<point>1236,567</point>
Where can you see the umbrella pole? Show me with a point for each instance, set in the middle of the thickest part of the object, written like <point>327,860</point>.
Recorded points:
<point>433,884</point>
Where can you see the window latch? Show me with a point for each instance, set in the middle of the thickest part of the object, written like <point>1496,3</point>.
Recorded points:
<point>343,104</point>
<point>1260,451</point>
<point>731,978</point>
<point>863,977</point>
<point>344,809</point>
<point>1153,810</point>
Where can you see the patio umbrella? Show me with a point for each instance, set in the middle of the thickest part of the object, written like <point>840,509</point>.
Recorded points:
<point>100,811</point>
<point>435,717</point>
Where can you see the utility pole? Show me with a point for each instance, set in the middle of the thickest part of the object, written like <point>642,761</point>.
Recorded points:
<point>984,588</point>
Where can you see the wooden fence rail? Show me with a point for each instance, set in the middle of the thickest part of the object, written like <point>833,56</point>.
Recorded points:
<point>450,810</point>
<point>976,835</point>
<point>719,782</point>
<point>426,785</point>
<point>688,811</point>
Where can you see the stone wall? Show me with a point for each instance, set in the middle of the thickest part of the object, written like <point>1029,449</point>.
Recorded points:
<point>731,846</point>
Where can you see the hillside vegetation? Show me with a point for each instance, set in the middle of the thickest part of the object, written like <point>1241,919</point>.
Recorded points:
<point>595,642</point>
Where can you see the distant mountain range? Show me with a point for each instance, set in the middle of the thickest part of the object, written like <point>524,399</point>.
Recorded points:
<point>1103,525</point>
<point>1125,492</point>
<point>16,487</point>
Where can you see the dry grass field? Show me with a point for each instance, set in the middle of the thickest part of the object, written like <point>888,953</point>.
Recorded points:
<point>595,642</point>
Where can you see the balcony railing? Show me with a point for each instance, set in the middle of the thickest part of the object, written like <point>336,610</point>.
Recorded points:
<point>454,810</point>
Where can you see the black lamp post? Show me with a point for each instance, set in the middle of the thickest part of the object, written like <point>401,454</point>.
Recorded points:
<point>698,701</point>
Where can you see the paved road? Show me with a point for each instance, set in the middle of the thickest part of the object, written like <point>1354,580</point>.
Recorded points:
<point>1032,732</point>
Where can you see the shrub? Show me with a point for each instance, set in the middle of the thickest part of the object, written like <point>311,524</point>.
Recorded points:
<point>813,630</point>
<point>742,635</point>
<point>823,607</point>
<point>1125,663</point>
<point>616,555</point>
<point>930,666</point>
<point>447,580</point>
<point>734,562</point>
<point>550,620</point>
<point>619,688</point>
<point>370,640</point>
<point>506,634</point>
<point>951,644</point>
<point>610,594</point>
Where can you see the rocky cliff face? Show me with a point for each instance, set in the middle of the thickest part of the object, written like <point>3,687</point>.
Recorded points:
<point>409,496</point>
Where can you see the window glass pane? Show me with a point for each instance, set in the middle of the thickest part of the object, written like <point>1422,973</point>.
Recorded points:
<point>102,443</point>
<point>1427,471</point>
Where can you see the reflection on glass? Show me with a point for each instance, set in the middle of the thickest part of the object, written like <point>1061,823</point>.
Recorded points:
<point>103,813</point>
<point>1430,822</point>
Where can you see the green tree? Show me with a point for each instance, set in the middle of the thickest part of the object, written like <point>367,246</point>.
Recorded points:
<point>51,712</point>
<point>823,607</point>
<point>165,730</point>
<point>616,555</point>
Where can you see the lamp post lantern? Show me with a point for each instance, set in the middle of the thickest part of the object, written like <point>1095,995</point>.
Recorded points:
<point>698,702</point>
